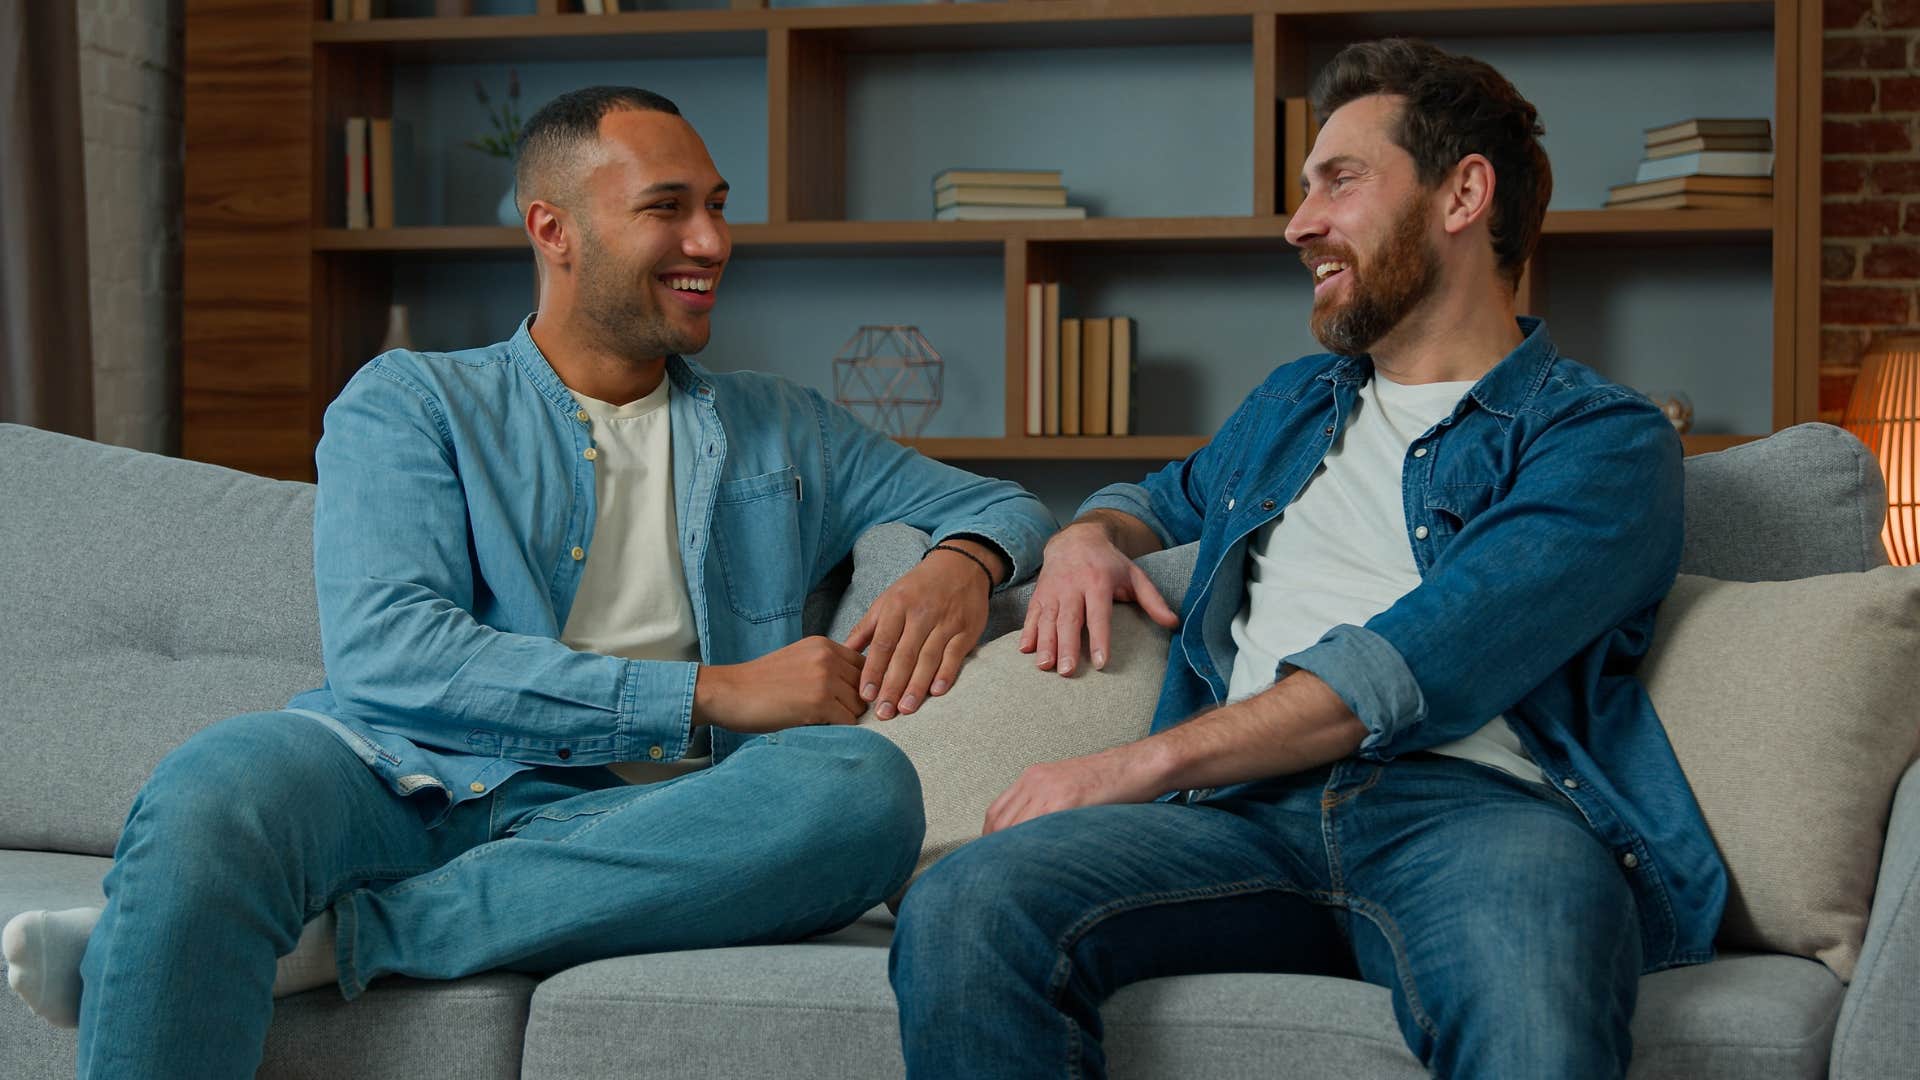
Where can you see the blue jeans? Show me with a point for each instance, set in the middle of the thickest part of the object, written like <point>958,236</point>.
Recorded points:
<point>1504,930</point>
<point>260,823</point>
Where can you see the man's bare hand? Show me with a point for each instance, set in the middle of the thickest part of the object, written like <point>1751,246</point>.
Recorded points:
<point>812,681</point>
<point>920,630</point>
<point>1125,774</point>
<point>1083,574</point>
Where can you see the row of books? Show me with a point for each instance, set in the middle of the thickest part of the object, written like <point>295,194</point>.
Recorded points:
<point>1080,371</point>
<point>369,159</point>
<point>600,7</point>
<point>363,10</point>
<point>1702,164</point>
<point>1002,195</point>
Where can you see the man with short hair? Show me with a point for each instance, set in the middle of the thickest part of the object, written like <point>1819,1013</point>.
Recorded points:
<point>571,550</point>
<point>1399,712</point>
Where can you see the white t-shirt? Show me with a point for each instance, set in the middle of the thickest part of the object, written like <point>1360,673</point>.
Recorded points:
<point>1340,553</point>
<point>633,600</point>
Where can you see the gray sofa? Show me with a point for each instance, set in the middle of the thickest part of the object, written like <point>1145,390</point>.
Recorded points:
<point>142,598</point>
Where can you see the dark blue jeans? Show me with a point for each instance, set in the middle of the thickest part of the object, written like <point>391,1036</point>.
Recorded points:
<point>1483,902</point>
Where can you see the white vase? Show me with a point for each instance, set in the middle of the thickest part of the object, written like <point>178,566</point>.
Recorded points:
<point>398,335</point>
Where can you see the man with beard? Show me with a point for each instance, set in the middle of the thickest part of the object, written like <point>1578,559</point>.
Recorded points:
<point>1427,564</point>
<point>569,550</point>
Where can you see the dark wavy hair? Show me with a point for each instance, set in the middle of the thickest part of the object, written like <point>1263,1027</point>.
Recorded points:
<point>1455,106</point>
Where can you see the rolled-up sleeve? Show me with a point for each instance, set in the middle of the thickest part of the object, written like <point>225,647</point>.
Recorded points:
<point>1587,537</point>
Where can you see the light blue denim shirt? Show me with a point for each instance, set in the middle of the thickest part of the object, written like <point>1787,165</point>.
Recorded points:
<point>1544,515</point>
<point>454,514</point>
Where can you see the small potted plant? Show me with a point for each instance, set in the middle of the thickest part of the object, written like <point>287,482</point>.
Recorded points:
<point>504,139</point>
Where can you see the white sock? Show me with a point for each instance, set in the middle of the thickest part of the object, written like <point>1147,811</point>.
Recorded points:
<point>43,951</point>
<point>310,965</point>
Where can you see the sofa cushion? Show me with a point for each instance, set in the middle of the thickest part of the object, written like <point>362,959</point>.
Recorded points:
<point>1004,714</point>
<point>823,1010</point>
<point>1805,500</point>
<point>1790,705</point>
<point>146,597</point>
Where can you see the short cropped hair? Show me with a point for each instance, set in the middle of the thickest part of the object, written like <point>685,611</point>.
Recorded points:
<point>1455,106</point>
<point>551,144</point>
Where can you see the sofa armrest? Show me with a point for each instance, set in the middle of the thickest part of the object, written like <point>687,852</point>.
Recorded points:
<point>1877,1036</point>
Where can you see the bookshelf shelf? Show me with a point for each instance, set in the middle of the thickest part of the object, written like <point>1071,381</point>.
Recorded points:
<point>1184,233</point>
<point>280,306</point>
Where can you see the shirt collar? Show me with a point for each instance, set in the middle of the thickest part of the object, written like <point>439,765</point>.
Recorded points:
<point>688,377</point>
<point>1504,390</point>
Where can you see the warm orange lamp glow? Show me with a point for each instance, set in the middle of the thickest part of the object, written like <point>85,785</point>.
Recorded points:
<point>1884,412</point>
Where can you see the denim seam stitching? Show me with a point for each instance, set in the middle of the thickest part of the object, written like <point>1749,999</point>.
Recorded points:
<point>1396,941</point>
<point>1063,964</point>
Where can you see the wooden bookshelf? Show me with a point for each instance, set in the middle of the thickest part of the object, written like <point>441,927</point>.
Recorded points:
<point>280,306</point>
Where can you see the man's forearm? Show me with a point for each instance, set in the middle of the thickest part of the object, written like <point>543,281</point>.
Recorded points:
<point>1297,724</point>
<point>1128,533</point>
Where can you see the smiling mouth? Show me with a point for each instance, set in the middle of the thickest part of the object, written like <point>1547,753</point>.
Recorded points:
<point>689,284</point>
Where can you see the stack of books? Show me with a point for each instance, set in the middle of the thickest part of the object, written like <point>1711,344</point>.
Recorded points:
<point>369,161</point>
<point>600,7</point>
<point>1703,164</point>
<point>1002,195</point>
<point>1080,372</point>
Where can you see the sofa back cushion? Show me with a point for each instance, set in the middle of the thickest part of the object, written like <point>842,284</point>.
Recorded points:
<point>141,599</point>
<point>1790,705</point>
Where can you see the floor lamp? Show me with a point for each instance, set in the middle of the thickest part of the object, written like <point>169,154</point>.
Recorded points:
<point>1884,412</point>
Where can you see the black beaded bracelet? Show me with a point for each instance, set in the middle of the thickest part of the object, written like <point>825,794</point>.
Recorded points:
<point>971,557</point>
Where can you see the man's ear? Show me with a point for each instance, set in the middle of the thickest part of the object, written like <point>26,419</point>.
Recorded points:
<point>551,230</point>
<point>1469,193</point>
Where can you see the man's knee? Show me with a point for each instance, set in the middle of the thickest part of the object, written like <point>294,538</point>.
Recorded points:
<point>862,782</point>
<point>234,779</point>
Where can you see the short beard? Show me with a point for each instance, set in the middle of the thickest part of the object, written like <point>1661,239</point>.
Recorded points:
<point>620,315</point>
<point>1394,281</point>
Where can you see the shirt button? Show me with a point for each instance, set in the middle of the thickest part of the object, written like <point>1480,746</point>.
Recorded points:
<point>563,753</point>
<point>1420,452</point>
<point>1630,860</point>
<point>590,453</point>
<point>1570,784</point>
<point>582,416</point>
<point>1266,504</point>
<point>477,787</point>
<point>1327,431</point>
<point>656,753</point>
<point>1420,533</point>
<point>578,553</point>
<point>1229,504</point>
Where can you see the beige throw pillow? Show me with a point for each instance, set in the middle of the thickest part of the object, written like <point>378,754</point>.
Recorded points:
<point>1003,714</point>
<point>1794,707</point>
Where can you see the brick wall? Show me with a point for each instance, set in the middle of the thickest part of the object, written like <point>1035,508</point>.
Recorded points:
<point>130,118</point>
<point>1870,186</point>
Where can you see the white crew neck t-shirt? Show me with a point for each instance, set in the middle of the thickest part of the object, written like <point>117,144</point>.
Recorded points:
<point>1340,553</point>
<point>633,600</point>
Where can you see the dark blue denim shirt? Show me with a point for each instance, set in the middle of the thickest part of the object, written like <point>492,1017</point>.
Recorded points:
<point>1544,516</point>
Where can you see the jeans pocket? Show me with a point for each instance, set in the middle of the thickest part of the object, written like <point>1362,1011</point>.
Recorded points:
<point>756,531</point>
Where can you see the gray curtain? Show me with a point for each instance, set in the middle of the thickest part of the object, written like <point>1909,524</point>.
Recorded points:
<point>46,354</point>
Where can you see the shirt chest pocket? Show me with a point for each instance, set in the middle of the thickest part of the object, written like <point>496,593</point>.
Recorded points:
<point>1450,507</point>
<point>756,534</point>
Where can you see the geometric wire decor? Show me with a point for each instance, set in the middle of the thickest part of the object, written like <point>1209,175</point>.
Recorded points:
<point>1884,412</point>
<point>890,377</point>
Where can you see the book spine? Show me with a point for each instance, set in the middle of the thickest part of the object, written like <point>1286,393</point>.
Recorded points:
<point>1120,381</point>
<point>1095,361</point>
<point>1050,341</point>
<point>1070,376</point>
<point>380,137</point>
<point>357,216</point>
<point>1035,328</point>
